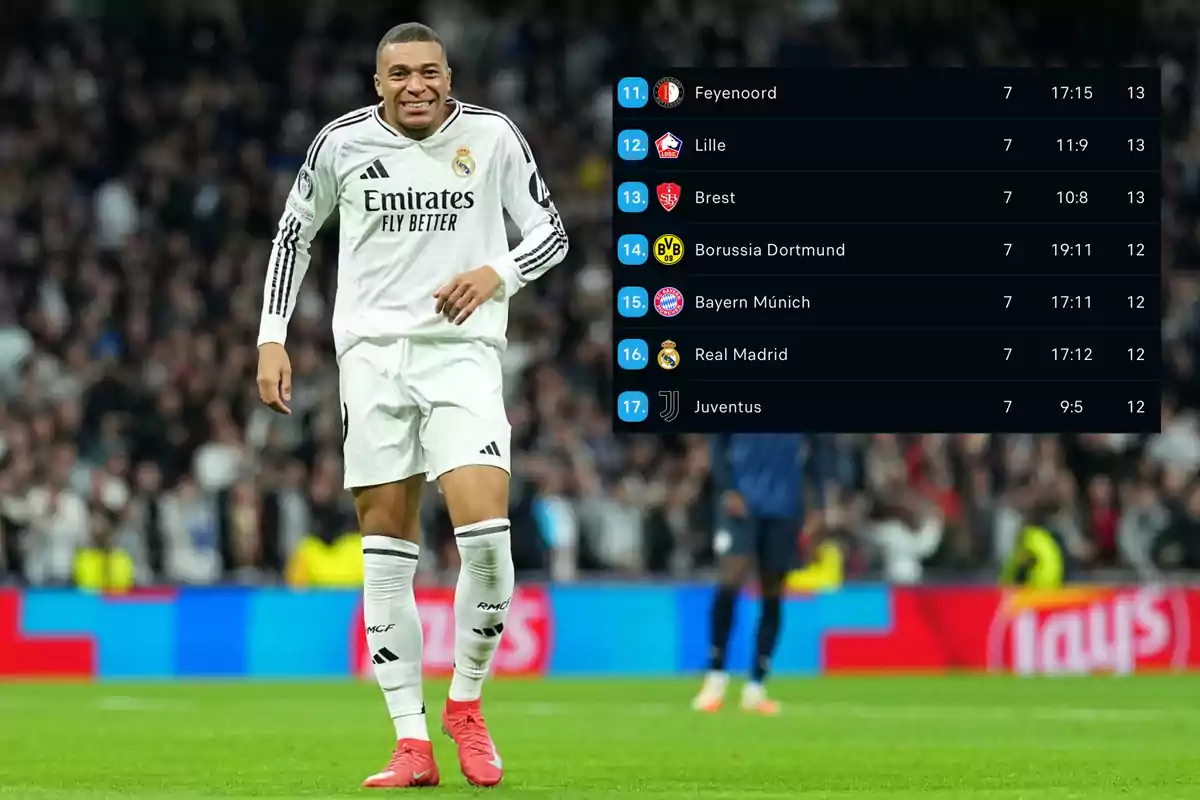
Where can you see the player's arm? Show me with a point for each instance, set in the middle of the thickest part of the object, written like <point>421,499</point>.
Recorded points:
<point>818,467</point>
<point>721,471</point>
<point>309,203</point>
<point>527,200</point>
<point>543,242</point>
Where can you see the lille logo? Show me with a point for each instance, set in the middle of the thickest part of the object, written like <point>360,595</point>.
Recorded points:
<point>668,195</point>
<point>668,145</point>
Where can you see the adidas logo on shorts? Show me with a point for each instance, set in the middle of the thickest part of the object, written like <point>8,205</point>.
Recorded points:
<point>491,450</point>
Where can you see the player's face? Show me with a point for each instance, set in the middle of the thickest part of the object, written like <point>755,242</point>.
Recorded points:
<point>413,80</point>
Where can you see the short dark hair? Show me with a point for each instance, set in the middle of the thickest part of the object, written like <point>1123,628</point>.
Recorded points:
<point>409,32</point>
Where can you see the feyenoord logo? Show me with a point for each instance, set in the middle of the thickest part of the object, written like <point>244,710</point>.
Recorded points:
<point>668,195</point>
<point>668,145</point>
<point>668,92</point>
<point>668,301</point>
<point>668,249</point>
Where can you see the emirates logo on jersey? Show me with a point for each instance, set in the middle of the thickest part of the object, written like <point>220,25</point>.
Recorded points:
<point>417,200</point>
<point>416,211</point>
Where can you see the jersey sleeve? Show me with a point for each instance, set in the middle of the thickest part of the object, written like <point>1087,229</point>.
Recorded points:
<point>720,470</point>
<point>527,200</point>
<point>311,200</point>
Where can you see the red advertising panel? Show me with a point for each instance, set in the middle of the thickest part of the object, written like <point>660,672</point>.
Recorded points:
<point>1080,630</point>
<point>43,656</point>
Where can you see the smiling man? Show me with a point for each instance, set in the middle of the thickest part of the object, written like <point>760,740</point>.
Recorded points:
<point>421,182</point>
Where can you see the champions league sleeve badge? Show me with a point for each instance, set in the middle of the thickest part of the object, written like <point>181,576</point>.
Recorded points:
<point>304,184</point>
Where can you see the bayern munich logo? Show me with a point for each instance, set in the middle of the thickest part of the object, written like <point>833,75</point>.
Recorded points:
<point>668,301</point>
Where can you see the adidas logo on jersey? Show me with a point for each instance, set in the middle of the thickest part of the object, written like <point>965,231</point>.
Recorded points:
<point>376,170</point>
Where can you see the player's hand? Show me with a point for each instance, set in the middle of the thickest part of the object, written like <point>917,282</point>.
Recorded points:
<point>459,298</point>
<point>274,377</point>
<point>734,505</point>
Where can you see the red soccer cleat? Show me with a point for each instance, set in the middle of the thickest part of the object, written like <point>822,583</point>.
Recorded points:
<point>477,755</point>
<point>412,765</point>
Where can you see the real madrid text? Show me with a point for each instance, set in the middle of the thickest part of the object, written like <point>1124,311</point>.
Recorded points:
<point>740,354</point>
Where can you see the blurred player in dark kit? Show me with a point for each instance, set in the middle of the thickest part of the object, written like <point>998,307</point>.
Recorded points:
<point>759,484</point>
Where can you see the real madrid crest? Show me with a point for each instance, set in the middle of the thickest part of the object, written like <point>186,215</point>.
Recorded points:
<point>463,165</point>
<point>668,357</point>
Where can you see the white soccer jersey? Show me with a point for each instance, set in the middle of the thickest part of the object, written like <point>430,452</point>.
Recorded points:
<point>413,214</point>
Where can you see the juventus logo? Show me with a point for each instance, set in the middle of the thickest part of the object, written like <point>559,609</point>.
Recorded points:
<point>670,404</point>
<point>538,190</point>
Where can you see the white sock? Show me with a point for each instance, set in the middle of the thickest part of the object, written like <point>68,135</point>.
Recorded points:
<point>394,630</point>
<point>481,600</point>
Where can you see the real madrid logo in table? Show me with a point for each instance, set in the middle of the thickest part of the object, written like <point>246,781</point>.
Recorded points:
<point>668,357</point>
<point>463,164</point>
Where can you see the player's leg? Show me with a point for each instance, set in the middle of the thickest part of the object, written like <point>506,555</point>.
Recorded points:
<point>734,547</point>
<point>777,544</point>
<point>477,498</point>
<point>385,472</point>
<point>466,436</point>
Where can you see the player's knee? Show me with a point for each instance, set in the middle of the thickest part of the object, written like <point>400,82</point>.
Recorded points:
<point>486,551</point>
<point>475,494</point>
<point>733,571</point>
<point>771,585</point>
<point>489,563</point>
<point>390,509</point>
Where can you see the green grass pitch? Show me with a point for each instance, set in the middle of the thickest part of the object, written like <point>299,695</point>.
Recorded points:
<point>968,738</point>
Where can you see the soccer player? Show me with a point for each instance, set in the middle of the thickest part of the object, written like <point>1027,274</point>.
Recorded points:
<point>759,484</point>
<point>420,182</point>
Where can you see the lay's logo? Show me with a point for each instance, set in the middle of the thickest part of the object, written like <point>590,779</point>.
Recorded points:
<point>1089,630</point>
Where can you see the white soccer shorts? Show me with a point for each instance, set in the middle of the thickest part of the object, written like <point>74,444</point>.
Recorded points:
<point>412,407</point>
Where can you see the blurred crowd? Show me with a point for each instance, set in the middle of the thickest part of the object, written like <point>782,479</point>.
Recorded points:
<point>145,150</point>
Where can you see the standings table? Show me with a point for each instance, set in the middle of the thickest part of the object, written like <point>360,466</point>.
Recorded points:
<point>888,250</point>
